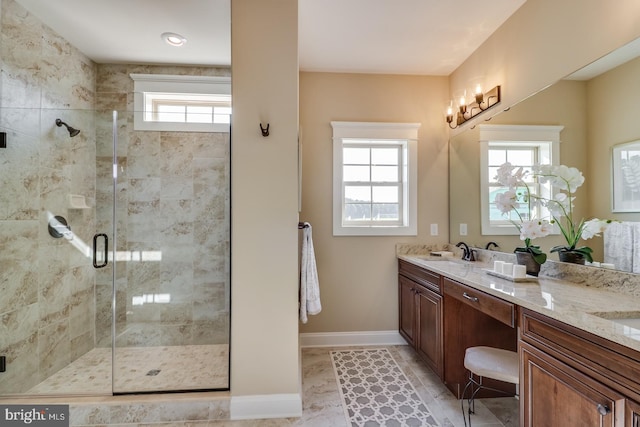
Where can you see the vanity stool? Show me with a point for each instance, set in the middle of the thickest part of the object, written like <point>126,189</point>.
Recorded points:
<point>487,362</point>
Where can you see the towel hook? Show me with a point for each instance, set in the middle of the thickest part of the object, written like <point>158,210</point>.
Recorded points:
<point>265,131</point>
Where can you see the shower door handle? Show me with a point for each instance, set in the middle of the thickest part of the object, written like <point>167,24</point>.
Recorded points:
<point>95,250</point>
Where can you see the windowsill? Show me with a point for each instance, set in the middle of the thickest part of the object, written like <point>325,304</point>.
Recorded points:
<point>141,125</point>
<point>375,231</point>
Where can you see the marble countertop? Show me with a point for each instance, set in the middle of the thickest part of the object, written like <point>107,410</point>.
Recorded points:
<point>565,301</point>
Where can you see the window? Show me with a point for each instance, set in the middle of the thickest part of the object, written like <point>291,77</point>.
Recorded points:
<point>187,108</point>
<point>522,146</point>
<point>182,103</point>
<point>374,179</point>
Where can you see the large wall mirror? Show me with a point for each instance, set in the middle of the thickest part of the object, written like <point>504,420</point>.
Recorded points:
<point>598,108</point>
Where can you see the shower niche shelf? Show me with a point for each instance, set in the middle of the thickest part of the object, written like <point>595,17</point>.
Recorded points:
<point>77,201</point>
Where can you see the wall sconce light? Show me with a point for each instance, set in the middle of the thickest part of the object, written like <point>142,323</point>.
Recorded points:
<point>483,101</point>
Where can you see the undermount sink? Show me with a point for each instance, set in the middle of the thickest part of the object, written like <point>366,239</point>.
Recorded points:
<point>434,257</point>
<point>444,260</point>
<point>626,318</point>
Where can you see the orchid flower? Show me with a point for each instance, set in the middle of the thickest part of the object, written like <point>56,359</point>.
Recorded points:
<point>565,180</point>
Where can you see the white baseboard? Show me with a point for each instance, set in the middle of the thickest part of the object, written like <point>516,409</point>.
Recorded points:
<point>265,406</point>
<point>341,339</point>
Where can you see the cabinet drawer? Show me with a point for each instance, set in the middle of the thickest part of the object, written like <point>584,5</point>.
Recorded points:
<point>495,307</point>
<point>424,277</point>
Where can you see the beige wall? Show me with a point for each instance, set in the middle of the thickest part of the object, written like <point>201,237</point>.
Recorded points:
<point>264,326</point>
<point>544,41</point>
<point>358,275</point>
<point>612,111</point>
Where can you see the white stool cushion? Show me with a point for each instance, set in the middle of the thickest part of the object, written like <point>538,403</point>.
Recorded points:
<point>490,362</point>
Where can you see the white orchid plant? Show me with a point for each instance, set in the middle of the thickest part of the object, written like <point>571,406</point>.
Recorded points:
<point>565,181</point>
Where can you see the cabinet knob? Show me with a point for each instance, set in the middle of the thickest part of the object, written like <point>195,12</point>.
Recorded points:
<point>604,409</point>
<point>469,297</point>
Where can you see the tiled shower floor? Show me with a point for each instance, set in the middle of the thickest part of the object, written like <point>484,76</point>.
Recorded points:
<point>189,367</point>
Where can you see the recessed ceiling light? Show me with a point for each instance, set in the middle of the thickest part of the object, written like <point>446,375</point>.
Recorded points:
<point>173,39</point>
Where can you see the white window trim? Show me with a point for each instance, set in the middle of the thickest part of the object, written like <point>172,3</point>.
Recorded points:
<point>530,134</point>
<point>164,83</point>
<point>378,131</point>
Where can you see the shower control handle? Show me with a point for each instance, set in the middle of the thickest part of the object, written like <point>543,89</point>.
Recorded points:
<point>95,250</point>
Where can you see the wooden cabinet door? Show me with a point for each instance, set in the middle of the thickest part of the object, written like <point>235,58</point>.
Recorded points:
<point>407,309</point>
<point>632,418</point>
<point>429,338</point>
<point>556,395</point>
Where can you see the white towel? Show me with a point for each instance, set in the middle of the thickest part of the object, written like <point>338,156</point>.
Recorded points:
<point>309,285</point>
<point>636,247</point>
<point>619,238</point>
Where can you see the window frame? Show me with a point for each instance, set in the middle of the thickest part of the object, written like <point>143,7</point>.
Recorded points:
<point>545,138</point>
<point>188,88</point>
<point>378,135</point>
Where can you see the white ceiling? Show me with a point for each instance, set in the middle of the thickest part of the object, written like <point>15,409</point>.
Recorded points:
<point>431,37</point>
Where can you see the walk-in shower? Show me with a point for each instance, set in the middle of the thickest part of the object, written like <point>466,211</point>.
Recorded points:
<point>114,241</point>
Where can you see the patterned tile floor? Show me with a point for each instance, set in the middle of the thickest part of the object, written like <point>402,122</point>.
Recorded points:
<point>189,367</point>
<point>322,406</point>
<point>376,390</point>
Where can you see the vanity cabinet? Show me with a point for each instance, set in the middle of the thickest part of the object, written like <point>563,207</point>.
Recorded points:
<point>570,377</point>
<point>474,318</point>
<point>420,312</point>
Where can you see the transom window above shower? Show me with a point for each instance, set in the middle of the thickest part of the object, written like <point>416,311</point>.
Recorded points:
<point>182,103</point>
<point>183,108</point>
<point>151,299</point>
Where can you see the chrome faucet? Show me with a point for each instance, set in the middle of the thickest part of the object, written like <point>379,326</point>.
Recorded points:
<point>467,253</point>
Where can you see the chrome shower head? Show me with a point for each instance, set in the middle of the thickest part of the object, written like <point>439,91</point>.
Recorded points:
<point>72,131</point>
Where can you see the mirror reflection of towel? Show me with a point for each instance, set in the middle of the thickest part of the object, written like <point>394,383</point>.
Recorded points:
<point>309,284</point>
<point>622,246</point>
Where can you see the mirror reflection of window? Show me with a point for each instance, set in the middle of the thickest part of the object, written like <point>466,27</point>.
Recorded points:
<point>522,146</point>
<point>521,156</point>
<point>626,177</point>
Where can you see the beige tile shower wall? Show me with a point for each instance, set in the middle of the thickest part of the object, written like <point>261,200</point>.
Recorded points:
<point>47,286</point>
<point>173,200</point>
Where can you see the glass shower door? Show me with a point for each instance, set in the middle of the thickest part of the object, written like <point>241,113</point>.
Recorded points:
<point>160,200</point>
<point>172,260</point>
